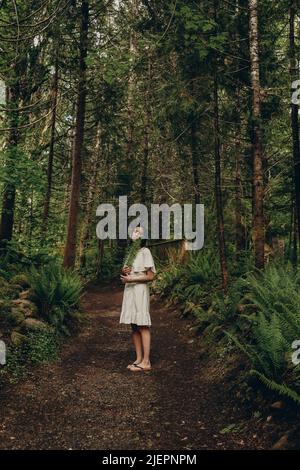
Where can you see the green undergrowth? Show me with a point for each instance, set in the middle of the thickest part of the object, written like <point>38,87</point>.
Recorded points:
<point>259,316</point>
<point>39,308</point>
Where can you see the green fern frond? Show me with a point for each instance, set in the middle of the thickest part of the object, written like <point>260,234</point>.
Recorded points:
<point>282,389</point>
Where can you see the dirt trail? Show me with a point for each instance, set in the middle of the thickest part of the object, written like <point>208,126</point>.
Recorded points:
<point>88,400</point>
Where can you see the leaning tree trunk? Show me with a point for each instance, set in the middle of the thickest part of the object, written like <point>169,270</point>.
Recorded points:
<point>70,248</point>
<point>258,225</point>
<point>9,194</point>
<point>51,149</point>
<point>295,122</point>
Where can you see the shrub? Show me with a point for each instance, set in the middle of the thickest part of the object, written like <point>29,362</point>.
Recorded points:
<point>110,264</point>
<point>167,279</point>
<point>105,269</point>
<point>273,297</point>
<point>56,292</point>
<point>260,313</point>
<point>191,284</point>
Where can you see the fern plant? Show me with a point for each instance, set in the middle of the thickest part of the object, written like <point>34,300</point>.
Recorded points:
<point>275,290</point>
<point>269,355</point>
<point>274,300</point>
<point>167,278</point>
<point>56,292</point>
<point>281,389</point>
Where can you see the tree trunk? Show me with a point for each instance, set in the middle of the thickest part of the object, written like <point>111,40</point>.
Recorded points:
<point>126,165</point>
<point>218,187</point>
<point>195,159</point>
<point>130,103</point>
<point>51,150</point>
<point>218,173</point>
<point>144,181</point>
<point>295,237</point>
<point>70,248</point>
<point>100,256</point>
<point>258,225</point>
<point>93,171</point>
<point>194,138</point>
<point>294,119</point>
<point>239,227</point>
<point>9,194</point>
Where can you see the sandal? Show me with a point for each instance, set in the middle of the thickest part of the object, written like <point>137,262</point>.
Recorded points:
<point>137,368</point>
<point>134,364</point>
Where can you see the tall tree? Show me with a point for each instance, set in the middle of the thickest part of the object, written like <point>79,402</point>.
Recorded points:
<point>51,148</point>
<point>295,120</point>
<point>258,223</point>
<point>218,171</point>
<point>9,194</point>
<point>70,247</point>
<point>147,126</point>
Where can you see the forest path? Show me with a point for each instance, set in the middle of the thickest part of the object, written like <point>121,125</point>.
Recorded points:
<point>89,400</point>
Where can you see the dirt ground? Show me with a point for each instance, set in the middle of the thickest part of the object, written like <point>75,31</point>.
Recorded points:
<point>89,400</point>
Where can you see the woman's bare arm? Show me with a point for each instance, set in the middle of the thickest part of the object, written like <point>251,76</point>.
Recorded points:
<point>148,276</point>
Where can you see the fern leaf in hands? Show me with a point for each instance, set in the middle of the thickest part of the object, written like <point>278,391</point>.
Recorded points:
<point>131,252</point>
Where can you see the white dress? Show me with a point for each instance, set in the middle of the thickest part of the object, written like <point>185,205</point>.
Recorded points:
<point>136,298</point>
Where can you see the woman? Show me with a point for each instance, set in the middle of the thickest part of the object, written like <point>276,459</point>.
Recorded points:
<point>136,304</point>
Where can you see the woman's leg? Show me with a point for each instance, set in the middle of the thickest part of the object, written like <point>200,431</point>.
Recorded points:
<point>137,341</point>
<point>146,343</point>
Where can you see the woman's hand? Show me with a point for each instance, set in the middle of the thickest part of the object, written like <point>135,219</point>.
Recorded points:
<point>144,278</point>
<point>126,279</point>
<point>126,270</point>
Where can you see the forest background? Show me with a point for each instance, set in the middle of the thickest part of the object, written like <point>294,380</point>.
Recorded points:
<point>161,101</point>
